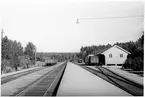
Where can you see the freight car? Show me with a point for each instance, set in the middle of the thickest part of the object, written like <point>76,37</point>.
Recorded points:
<point>91,60</point>
<point>95,60</point>
<point>80,60</point>
<point>50,62</point>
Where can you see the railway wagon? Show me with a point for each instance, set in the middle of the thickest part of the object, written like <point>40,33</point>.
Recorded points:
<point>50,62</point>
<point>80,60</point>
<point>92,60</point>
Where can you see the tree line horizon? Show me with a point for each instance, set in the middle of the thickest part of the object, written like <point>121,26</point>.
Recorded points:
<point>134,61</point>
<point>15,56</point>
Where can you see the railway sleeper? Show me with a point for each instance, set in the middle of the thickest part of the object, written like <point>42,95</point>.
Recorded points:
<point>46,85</point>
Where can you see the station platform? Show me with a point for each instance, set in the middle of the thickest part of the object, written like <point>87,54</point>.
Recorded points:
<point>77,81</point>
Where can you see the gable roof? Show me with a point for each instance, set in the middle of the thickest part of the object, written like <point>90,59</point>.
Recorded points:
<point>122,49</point>
<point>101,51</point>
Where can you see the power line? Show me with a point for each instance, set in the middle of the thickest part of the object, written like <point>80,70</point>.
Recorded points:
<point>118,17</point>
<point>115,17</point>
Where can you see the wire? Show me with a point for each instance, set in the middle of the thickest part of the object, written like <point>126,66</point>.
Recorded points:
<point>114,17</point>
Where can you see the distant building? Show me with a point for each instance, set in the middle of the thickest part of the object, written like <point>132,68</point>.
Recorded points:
<point>114,55</point>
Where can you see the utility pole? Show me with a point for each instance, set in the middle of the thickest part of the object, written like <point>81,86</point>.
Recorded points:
<point>2,31</point>
<point>35,55</point>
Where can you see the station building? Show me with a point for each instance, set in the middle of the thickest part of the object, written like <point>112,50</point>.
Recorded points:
<point>113,56</point>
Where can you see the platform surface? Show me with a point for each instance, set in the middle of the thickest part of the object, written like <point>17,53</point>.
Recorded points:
<point>77,81</point>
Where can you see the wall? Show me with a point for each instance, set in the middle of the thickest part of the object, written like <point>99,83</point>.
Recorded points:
<point>116,59</point>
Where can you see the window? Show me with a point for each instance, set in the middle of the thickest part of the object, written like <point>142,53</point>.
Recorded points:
<point>121,55</point>
<point>110,55</point>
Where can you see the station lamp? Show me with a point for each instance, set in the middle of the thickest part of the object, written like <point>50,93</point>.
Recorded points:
<point>77,21</point>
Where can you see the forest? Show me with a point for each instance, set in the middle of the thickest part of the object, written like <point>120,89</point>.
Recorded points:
<point>15,57</point>
<point>60,57</point>
<point>134,61</point>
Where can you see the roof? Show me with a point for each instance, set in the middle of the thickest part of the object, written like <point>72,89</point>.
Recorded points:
<point>101,51</point>
<point>122,49</point>
<point>91,55</point>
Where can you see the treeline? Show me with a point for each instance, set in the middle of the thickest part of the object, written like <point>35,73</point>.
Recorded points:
<point>134,60</point>
<point>60,57</point>
<point>14,56</point>
<point>84,51</point>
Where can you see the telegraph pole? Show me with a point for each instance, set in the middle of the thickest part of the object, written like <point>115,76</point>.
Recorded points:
<point>35,55</point>
<point>2,31</point>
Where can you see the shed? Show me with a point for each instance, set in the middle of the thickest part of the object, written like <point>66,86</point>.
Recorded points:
<point>114,55</point>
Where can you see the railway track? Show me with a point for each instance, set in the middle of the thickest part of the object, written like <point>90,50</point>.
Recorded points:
<point>123,83</point>
<point>15,76</point>
<point>46,85</point>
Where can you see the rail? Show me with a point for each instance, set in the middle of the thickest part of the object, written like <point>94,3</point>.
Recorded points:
<point>45,85</point>
<point>123,83</point>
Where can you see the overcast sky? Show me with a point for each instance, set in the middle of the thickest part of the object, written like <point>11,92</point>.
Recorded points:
<point>52,27</point>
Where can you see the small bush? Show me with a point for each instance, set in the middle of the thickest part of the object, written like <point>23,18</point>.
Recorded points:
<point>127,63</point>
<point>4,64</point>
<point>24,67</point>
<point>8,69</point>
<point>135,63</point>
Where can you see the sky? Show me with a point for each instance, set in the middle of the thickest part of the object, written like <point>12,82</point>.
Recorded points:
<point>51,24</point>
